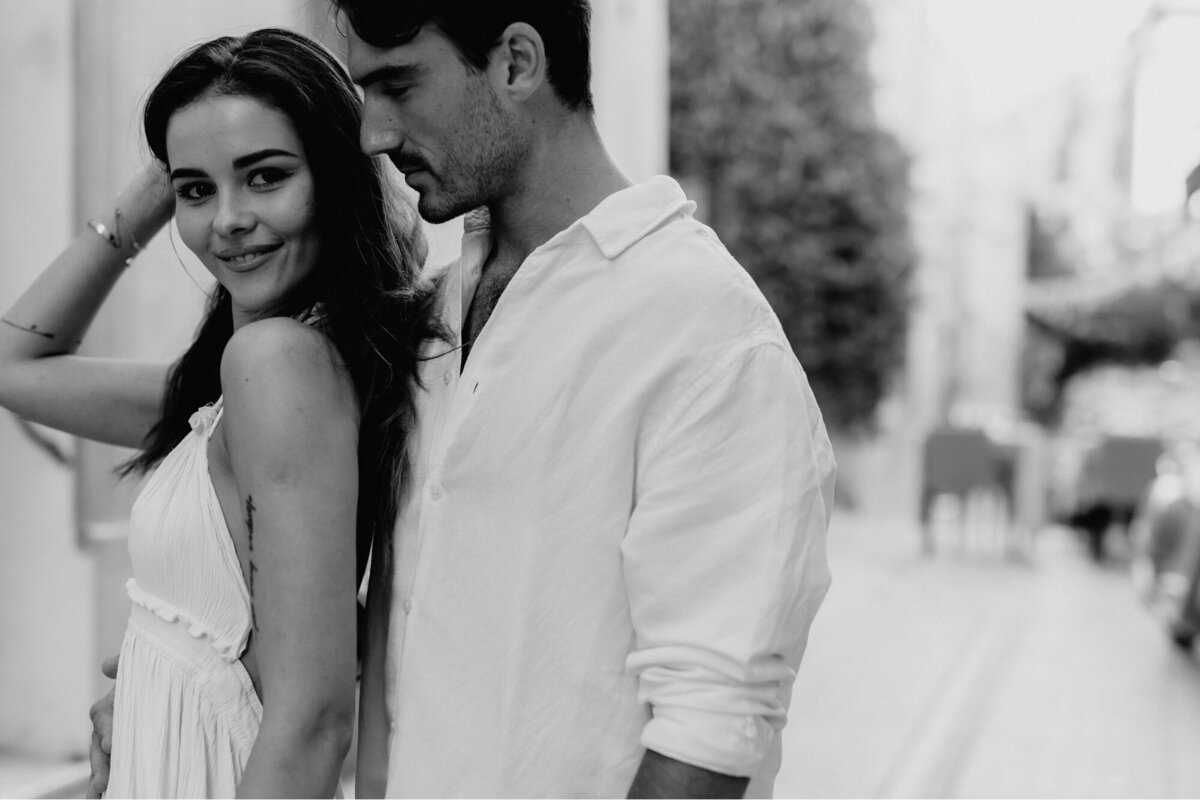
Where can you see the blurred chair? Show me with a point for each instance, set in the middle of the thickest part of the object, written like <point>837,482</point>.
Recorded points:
<point>1126,466</point>
<point>1112,482</point>
<point>963,462</point>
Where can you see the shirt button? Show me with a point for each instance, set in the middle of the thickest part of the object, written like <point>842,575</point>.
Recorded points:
<point>435,492</point>
<point>408,606</point>
<point>446,379</point>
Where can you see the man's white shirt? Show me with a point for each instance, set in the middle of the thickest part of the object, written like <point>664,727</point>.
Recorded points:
<point>612,535</point>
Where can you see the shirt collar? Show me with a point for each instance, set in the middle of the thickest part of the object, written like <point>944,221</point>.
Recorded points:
<point>620,221</point>
<point>626,217</point>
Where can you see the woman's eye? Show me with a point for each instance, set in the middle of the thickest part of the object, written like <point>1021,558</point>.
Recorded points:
<point>193,192</point>
<point>268,176</point>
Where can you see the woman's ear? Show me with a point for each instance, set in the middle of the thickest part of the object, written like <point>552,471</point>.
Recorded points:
<point>518,62</point>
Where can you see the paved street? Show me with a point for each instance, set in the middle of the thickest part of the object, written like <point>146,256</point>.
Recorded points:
<point>964,675</point>
<point>967,674</point>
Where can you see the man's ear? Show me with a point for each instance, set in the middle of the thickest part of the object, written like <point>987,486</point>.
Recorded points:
<point>518,62</point>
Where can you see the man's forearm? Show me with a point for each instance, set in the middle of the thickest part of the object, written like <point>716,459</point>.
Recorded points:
<point>660,776</point>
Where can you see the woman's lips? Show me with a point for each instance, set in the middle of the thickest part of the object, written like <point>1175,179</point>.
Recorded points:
<point>247,258</point>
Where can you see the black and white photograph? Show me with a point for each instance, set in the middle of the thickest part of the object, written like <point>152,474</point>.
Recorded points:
<point>600,398</point>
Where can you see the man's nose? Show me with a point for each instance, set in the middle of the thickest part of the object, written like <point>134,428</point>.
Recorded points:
<point>380,132</point>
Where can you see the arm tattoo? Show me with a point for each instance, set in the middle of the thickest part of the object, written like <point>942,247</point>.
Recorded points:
<point>253,568</point>
<point>31,329</point>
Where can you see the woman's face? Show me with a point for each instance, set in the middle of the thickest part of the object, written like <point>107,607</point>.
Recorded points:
<point>245,201</point>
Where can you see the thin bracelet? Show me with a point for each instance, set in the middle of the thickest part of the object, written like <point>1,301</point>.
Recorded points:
<point>31,329</point>
<point>113,237</point>
<point>105,233</point>
<point>137,246</point>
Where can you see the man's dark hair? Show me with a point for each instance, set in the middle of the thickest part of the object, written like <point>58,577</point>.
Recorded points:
<point>474,28</point>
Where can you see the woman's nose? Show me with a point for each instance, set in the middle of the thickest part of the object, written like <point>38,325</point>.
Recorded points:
<point>233,216</point>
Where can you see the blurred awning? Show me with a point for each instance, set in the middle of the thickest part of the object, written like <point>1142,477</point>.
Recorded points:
<point>1139,322</point>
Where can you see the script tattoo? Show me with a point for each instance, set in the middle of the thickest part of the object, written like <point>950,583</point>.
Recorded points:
<point>253,568</point>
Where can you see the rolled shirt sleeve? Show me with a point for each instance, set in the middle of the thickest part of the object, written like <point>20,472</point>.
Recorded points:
<point>724,558</point>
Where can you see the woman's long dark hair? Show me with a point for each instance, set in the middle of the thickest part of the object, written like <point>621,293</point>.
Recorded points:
<point>375,309</point>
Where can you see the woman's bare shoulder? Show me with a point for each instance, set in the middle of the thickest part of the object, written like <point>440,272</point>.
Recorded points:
<point>280,372</point>
<point>278,344</point>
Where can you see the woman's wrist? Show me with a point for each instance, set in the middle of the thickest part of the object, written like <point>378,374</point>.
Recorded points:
<point>117,233</point>
<point>144,206</point>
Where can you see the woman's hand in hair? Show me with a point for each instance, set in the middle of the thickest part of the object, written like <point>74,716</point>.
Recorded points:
<point>147,203</point>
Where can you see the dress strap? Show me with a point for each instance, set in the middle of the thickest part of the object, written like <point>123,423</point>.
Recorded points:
<point>218,412</point>
<point>204,420</point>
<point>313,316</point>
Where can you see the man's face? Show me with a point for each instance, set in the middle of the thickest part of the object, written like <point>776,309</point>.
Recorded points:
<point>439,121</point>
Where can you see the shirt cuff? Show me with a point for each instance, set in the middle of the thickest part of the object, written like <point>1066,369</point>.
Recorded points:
<point>731,744</point>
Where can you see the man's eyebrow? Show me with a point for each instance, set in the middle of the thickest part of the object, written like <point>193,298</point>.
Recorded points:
<point>389,72</point>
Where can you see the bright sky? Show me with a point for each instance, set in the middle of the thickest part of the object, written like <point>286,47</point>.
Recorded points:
<point>1013,51</point>
<point>1010,53</point>
<point>1166,133</point>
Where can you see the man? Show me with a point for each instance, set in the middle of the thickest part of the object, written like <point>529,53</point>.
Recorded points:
<point>611,546</point>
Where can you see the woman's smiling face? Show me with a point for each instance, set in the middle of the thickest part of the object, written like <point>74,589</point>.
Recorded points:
<point>245,202</point>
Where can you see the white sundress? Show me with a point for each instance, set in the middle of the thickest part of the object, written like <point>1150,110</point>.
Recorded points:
<point>186,714</point>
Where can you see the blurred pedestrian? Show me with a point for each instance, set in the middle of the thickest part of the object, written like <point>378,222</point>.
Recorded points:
<point>237,671</point>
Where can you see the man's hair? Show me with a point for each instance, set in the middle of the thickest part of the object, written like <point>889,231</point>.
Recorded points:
<point>474,28</point>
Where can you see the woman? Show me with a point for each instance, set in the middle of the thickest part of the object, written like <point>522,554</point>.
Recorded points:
<point>275,441</point>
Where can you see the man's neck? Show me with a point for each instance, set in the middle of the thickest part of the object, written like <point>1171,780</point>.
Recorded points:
<point>569,174</point>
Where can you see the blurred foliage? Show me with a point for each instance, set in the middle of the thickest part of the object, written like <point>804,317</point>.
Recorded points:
<point>772,122</point>
<point>1141,325</point>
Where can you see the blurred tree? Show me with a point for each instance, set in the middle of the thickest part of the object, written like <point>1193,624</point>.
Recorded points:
<point>772,122</point>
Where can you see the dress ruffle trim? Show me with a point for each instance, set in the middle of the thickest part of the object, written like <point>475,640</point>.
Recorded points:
<point>203,417</point>
<point>230,651</point>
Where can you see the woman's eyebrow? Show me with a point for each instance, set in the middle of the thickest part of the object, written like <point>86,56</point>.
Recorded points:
<point>242,162</point>
<point>184,172</point>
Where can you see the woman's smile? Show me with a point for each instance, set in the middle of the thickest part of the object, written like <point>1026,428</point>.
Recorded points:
<point>247,257</point>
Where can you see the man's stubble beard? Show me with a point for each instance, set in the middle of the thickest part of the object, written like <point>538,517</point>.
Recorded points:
<point>485,169</point>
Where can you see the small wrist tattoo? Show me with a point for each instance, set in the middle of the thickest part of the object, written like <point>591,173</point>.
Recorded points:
<point>31,329</point>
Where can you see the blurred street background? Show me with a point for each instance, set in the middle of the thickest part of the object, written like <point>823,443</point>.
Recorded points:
<point>979,223</point>
<point>973,676</point>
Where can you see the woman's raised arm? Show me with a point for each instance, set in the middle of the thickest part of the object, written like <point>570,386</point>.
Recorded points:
<point>109,400</point>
